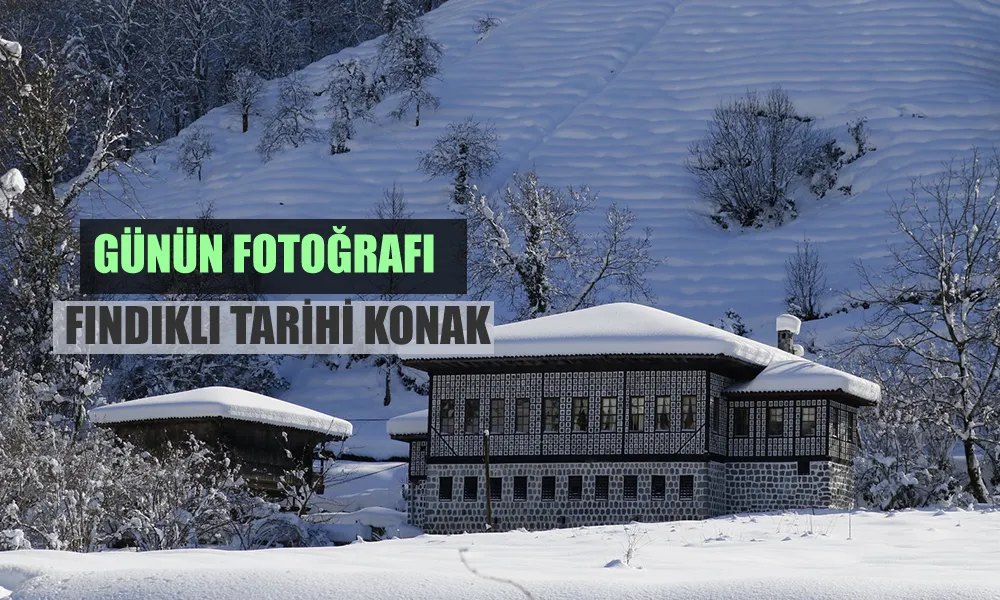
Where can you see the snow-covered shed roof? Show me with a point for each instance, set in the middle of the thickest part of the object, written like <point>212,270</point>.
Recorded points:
<point>626,328</point>
<point>794,374</point>
<point>414,423</point>
<point>225,402</point>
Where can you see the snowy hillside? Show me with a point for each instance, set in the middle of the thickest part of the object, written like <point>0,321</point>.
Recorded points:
<point>611,93</point>
<point>910,555</point>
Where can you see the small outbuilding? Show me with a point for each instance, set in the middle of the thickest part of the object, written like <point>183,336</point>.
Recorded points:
<point>267,437</point>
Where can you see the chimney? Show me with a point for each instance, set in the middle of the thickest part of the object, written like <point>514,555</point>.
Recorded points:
<point>788,326</point>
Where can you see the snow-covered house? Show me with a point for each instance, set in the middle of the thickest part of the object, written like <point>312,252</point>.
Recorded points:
<point>623,412</point>
<point>266,436</point>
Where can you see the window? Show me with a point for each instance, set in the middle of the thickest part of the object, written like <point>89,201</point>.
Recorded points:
<point>496,415</point>
<point>444,488</point>
<point>687,487</point>
<point>835,422</point>
<point>775,422</point>
<point>631,487</point>
<point>803,467</point>
<point>609,414</point>
<point>447,417</point>
<point>636,413</point>
<point>551,414</point>
<point>522,411</point>
<point>808,425</point>
<point>581,414</point>
<point>496,488</point>
<point>662,413</point>
<point>548,488</point>
<point>741,421</point>
<point>472,416</point>
<point>850,427</point>
<point>659,487</point>
<point>576,487</point>
<point>470,489</point>
<point>520,488</point>
<point>716,404</point>
<point>687,413</point>
<point>601,487</point>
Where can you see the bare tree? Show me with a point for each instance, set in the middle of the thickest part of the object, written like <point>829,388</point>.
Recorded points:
<point>467,149</point>
<point>805,282</point>
<point>196,148</point>
<point>527,248</point>
<point>484,25</point>
<point>291,123</point>
<point>393,211</point>
<point>410,59</point>
<point>935,304</point>
<point>243,89</point>
<point>755,148</point>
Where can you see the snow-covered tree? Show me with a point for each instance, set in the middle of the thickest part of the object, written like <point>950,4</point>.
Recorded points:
<point>902,462</point>
<point>196,147</point>
<point>410,59</point>
<point>243,90</point>
<point>292,122</point>
<point>805,282</point>
<point>353,92</point>
<point>396,14</point>
<point>467,149</point>
<point>526,247</point>
<point>934,307</point>
<point>756,147</point>
<point>39,110</point>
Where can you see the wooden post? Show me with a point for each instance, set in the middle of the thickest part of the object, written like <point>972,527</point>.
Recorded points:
<point>486,465</point>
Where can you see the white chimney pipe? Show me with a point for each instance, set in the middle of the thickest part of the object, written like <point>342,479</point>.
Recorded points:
<point>788,327</point>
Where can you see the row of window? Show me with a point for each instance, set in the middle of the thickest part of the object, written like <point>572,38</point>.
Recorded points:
<point>580,414</point>
<point>841,426</point>
<point>574,488</point>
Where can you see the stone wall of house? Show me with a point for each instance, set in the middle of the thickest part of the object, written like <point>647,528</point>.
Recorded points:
<point>460,515</point>
<point>766,486</point>
<point>842,490</point>
<point>718,489</point>
<point>416,502</point>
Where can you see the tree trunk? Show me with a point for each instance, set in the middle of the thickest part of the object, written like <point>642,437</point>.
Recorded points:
<point>246,122</point>
<point>976,485</point>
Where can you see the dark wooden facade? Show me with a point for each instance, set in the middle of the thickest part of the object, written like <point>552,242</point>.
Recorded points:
<point>263,452</point>
<point>475,384</point>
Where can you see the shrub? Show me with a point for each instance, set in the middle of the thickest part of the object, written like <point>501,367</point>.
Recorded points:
<point>755,149</point>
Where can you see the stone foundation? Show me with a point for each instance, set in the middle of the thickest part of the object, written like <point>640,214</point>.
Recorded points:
<point>718,488</point>
<point>459,515</point>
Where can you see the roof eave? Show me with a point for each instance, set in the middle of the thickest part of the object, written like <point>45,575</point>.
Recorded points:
<point>333,436</point>
<point>834,394</point>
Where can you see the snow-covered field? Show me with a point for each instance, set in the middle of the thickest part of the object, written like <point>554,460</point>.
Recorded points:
<point>906,556</point>
<point>611,93</point>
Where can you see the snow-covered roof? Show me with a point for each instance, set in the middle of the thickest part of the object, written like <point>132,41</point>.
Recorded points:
<point>620,328</point>
<point>225,402</point>
<point>414,423</point>
<point>789,373</point>
<point>626,328</point>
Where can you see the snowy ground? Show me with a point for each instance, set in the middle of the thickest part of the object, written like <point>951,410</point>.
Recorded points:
<point>611,93</point>
<point>911,555</point>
